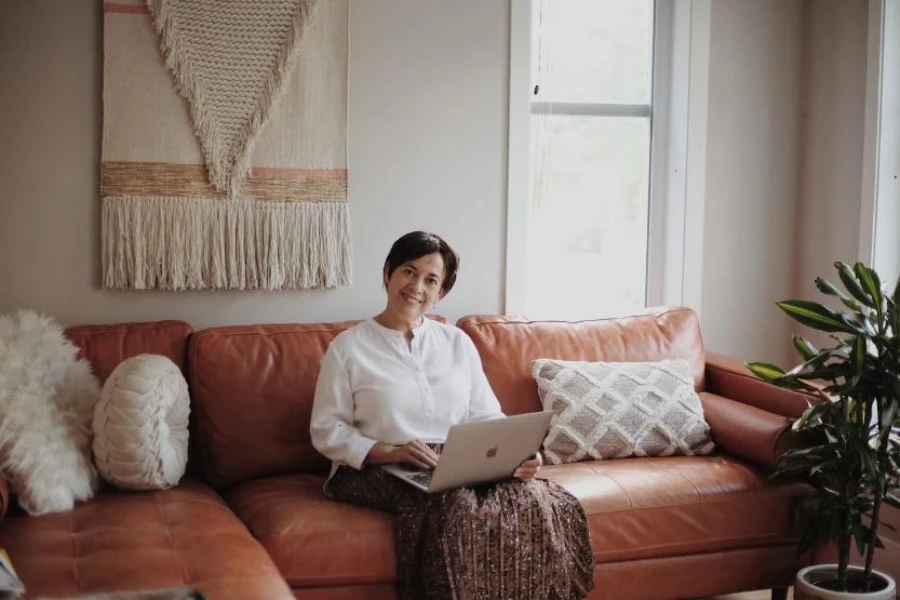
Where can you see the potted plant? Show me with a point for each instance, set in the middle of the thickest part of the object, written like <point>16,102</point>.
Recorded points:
<point>852,459</point>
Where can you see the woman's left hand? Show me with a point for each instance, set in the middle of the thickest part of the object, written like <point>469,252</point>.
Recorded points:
<point>529,469</point>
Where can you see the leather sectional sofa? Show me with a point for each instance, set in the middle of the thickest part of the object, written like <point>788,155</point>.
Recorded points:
<point>250,520</point>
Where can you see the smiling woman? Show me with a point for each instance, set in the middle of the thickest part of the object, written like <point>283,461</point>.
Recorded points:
<point>388,391</point>
<point>419,270</point>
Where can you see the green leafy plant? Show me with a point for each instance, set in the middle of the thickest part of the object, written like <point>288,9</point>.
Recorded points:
<point>853,457</point>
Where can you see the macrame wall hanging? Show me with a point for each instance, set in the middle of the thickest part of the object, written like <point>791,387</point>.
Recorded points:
<point>225,145</point>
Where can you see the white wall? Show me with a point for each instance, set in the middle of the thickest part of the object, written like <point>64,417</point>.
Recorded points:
<point>428,114</point>
<point>832,145</point>
<point>751,175</point>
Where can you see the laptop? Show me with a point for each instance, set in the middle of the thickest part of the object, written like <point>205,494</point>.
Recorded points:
<point>480,452</point>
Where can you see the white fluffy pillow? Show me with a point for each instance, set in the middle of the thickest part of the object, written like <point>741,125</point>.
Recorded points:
<point>619,409</point>
<point>47,398</point>
<point>141,424</point>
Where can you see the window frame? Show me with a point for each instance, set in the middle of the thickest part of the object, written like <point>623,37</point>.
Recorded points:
<point>668,254</point>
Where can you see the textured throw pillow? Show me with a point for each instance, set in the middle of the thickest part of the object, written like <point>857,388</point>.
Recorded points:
<point>141,424</point>
<point>47,398</point>
<point>619,409</point>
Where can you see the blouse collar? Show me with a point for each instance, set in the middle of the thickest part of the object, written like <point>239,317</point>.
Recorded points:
<point>417,330</point>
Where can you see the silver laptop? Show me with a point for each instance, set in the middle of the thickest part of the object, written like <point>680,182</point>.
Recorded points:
<point>480,452</point>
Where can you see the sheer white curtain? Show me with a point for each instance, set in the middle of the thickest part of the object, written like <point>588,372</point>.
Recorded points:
<point>586,233</point>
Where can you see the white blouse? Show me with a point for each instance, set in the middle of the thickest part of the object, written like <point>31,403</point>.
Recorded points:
<point>373,387</point>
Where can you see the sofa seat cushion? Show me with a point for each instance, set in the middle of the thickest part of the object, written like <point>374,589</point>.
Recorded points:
<point>637,508</point>
<point>316,541</point>
<point>641,508</point>
<point>186,536</point>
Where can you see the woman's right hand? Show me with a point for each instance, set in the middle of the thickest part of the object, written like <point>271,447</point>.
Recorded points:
<point>416,453</point>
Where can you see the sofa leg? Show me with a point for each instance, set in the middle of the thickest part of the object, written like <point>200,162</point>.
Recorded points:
<point>779,593</point>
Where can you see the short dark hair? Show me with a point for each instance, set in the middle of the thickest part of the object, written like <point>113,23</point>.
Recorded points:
<point>416,244</point>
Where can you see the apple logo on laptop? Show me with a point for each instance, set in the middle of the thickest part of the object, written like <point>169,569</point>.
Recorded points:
<point>492,452</point>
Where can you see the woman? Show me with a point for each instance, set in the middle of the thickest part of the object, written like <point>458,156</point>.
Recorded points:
<point>388,391</point>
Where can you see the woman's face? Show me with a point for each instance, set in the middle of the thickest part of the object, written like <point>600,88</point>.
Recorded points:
<point>415,285</point>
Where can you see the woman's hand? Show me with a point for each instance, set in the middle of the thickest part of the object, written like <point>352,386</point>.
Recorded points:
<point>414,452</point>
<point>529,469</point>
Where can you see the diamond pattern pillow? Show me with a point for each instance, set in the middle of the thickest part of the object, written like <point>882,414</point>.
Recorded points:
<point>619,409</point>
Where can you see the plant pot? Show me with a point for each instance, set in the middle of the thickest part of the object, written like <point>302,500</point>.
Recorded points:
<point>805,587</point>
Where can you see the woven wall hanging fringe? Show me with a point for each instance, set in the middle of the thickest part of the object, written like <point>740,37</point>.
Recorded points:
<point>224,145</point>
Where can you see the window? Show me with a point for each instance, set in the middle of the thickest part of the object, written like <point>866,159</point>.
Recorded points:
<point>582,226</point>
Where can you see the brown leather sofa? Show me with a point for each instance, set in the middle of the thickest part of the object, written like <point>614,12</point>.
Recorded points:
<point>250,520</point>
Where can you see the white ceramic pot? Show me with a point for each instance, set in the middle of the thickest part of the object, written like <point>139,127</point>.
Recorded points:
<point>804,588</point>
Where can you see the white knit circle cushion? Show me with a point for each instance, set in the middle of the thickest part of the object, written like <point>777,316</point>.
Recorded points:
<point>141,424</point>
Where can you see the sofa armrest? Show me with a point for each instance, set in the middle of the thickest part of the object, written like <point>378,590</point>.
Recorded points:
<point>748,432</point>
<point>728,377</point>
<point>5,496</point>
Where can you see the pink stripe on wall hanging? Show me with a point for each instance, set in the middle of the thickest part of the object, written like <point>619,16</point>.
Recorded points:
<point>225,145</point>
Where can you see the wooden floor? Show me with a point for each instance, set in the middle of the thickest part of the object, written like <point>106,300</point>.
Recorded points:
<point>760,595</point>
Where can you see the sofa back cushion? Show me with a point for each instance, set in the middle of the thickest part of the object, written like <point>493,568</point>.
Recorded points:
<point>105,346</point>
<point>252,390</point>
<point>508,345</point>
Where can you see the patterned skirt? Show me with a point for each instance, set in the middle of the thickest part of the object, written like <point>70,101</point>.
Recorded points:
<point>505,540</point>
